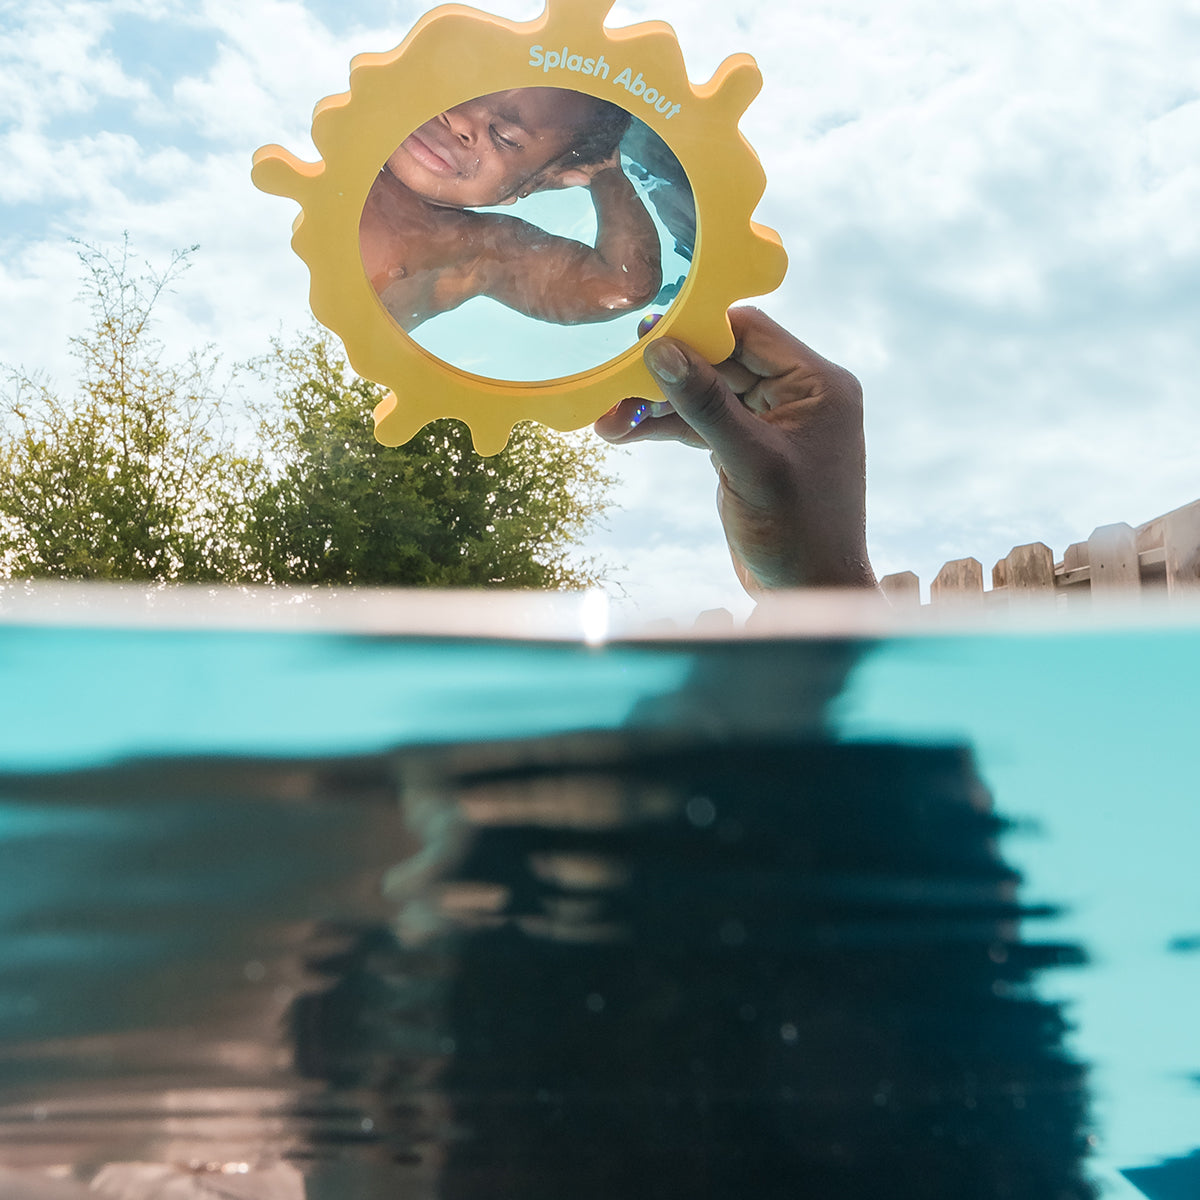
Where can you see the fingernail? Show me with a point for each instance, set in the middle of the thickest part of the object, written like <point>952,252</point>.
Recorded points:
<point>666,362</point>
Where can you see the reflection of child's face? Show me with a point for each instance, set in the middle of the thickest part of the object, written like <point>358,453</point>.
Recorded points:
<point>484,151</point>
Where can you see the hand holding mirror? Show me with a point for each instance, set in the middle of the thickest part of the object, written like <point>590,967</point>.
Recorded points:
<point>501,205</point>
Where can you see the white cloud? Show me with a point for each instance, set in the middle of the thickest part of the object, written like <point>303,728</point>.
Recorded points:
<point>276,60</point>
<point>53,64</point>
<point>1002,219</point>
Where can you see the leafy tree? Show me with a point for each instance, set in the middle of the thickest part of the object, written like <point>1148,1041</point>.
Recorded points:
<point>344,509</point>
<point>131,476</point>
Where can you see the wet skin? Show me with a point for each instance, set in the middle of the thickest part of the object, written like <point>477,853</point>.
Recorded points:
<point>784,427</point>
<point>425,252</point>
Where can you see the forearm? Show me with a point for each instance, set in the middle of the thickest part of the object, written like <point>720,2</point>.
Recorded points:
<point>567,282</point>
<point>627,243</point>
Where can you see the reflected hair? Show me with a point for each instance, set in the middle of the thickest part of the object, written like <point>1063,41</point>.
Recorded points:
<point>600,135</point>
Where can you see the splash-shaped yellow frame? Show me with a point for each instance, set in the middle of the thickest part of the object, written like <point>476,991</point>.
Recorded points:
<point>452,55</point>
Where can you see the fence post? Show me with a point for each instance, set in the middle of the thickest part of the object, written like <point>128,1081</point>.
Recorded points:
<point>1116,562</point>
<point>959,582</point>
<point>902,588</point>
<point>1181,543</point>
<point>1029,573</point>
<point>1113,555</point>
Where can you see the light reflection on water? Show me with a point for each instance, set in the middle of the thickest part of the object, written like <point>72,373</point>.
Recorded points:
<point>673,958</point>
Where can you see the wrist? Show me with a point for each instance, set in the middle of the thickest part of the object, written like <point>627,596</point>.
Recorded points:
<point>784,572</point>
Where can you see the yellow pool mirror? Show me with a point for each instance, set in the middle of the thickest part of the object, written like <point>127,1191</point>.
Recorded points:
<point>503,208</point>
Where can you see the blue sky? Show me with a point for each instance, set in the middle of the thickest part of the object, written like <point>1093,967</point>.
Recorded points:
<point>990,210</point>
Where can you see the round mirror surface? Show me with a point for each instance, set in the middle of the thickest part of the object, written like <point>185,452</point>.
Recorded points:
<point>526,235</point>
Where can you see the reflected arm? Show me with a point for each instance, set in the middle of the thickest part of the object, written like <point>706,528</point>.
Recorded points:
<point>566,282</point>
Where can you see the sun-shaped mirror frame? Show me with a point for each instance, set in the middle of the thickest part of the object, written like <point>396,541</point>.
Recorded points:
<point>454,54</point>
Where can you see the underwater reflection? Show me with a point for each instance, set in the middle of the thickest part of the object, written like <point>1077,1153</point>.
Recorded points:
<point>756,970</point>
<point>591,966</point>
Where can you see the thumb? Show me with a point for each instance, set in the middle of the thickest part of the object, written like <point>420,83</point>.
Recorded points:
<point>703,399</point>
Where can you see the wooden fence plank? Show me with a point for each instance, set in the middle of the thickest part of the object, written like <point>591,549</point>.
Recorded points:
<point>959,582</point>
<point>1072,576</point>
<point>1075,556</point>
<point>1150,535</point>
<point>1117,561</point>
<point>1181,541</point>
<point>902,588</point>
<point>1113,556</point>
<point>1029,573</point>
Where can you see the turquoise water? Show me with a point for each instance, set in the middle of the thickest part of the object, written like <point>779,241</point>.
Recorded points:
<point>81,697</point>
<point>1089,741</point>
<point>1084,741</point>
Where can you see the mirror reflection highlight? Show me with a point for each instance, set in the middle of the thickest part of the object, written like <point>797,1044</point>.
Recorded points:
<point>525,234</point>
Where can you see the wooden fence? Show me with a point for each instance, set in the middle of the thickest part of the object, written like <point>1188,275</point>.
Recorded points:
<point>1117,561</point>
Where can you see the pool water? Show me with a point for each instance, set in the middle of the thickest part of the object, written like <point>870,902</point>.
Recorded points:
<point>484,337</point>
<point>333,914</point>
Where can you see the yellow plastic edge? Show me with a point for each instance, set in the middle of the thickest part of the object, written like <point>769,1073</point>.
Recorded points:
<point>453,54</point>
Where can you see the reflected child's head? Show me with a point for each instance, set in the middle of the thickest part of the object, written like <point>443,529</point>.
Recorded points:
<point>501,147</point>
